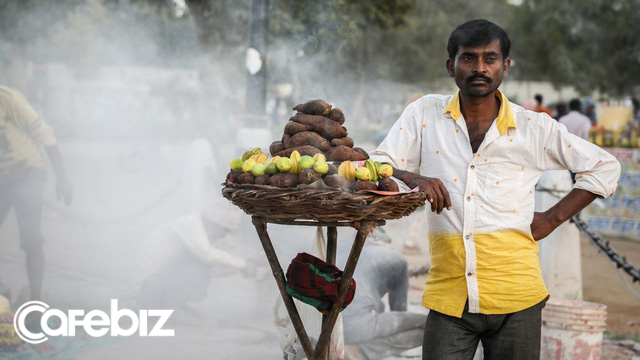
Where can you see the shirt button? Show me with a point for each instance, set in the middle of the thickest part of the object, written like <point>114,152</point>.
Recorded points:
<point>466,236</point>
<point>468,198</point>
<point>469,274</point>
<point>473,167</point>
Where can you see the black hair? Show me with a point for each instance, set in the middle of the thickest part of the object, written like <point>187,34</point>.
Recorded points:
<point>538,98</point>
<point>475,33</point>
<point>575,104</point>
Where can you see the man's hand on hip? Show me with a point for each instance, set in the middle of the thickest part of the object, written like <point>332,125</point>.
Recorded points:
<point>541,226</point>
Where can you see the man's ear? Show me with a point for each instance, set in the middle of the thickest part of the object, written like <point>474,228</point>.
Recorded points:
<point>506,66</point>
<point>450,68</point>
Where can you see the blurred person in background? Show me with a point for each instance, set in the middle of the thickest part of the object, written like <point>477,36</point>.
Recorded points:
<point>590,112</point>
<point>540,105</point>
<point>23,133</point>
<point>371,332</point>
<point>179,258</point>
<point>576,123</point>
<point>561,110</point>
<point>479,156</point>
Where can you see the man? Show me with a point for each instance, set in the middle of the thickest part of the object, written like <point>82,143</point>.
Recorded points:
<point>22,176</point>
<point>370,332</point>
<point>540,107</point>
<point>178,259</point>
<point>561,110</point>
<point>575,122</point>
<point>479,156</point>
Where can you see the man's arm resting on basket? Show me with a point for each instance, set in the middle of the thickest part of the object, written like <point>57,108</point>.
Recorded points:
<point>437,193</point>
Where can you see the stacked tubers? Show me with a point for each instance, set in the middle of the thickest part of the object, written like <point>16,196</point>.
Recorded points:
<point>314,147</point>
<point>317,127</point>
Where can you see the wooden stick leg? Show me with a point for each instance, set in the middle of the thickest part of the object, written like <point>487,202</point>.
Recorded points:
<point>278,274</point>
<point>332,244</point>
<point>325,336</point>
<point>332,249</point>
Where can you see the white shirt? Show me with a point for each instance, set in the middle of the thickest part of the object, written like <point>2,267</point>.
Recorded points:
<point>576,123</point>
<point>483,249</point>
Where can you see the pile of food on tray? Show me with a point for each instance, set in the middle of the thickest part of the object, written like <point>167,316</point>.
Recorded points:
<point>314,147</point>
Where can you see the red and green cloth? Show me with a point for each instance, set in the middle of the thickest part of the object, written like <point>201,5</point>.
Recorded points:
<point>315,282</point>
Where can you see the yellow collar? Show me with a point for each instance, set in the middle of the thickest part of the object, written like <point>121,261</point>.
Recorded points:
<point>505,118</point>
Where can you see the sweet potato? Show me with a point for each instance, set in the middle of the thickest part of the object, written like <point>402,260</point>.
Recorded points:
<point>276,147</point>
<point>326,127</point>
<point>293,127</point>
<point>337,182</point>
<point>359,154</point>
<point>336,115</point>
<point>346,141</point>
<point>235,176</point>
<point>332,170</point>
<point>303,150</point>
<point>308,176</point>
<point>339,153</point>
<point>387,184</point>
<point>284,180</point>
<point>344,153</point>
<point>360,185</point>
<point>247,178</point>
<point>262,179</point>
<point>307,138</point>
<point>314,107</point>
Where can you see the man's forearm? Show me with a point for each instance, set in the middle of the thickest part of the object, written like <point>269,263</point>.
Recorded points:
<point>545,223</point>
<point>404,176</point>
<point>570,205</point>
<point>56,161</point>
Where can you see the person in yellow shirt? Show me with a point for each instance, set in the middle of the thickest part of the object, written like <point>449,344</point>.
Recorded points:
<point>478,158</point>
<point>22,176</point>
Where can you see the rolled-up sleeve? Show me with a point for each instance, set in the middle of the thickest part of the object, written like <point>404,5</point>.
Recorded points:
<point>402,145</point>
<point>596,170</point>
<point>24,114</point>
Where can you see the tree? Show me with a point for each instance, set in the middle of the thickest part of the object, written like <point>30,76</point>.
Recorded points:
<point>22,24</point>
<point>589,44</point>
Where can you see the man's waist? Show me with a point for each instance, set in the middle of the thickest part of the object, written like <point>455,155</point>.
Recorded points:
<point>21,172</point>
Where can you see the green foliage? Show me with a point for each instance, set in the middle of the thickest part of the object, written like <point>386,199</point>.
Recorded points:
<point>590,44</point>
<point>24,21</point>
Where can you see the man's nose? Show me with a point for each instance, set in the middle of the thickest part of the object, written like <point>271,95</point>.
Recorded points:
<point>481,66</point>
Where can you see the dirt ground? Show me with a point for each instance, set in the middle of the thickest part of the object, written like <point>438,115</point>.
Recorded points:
<point>602,283</point>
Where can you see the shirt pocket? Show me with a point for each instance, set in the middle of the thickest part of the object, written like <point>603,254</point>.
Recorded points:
<point>503,186</point>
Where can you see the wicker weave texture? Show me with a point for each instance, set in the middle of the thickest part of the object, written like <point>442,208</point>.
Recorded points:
<point>320,204</point>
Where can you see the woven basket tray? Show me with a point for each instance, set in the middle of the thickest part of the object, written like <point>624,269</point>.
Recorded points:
<point>320,204</point>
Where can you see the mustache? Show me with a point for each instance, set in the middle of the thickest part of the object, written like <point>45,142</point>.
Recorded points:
<point>479,76</point>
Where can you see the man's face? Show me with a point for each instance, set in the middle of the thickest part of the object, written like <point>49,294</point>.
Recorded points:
<point>478,71</point>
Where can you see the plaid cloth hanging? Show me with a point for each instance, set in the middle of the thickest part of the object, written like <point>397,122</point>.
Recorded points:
<point>315,282</point>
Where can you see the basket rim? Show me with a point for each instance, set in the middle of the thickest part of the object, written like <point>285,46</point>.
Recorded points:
<point>275,189</point>
<point>290,204</point>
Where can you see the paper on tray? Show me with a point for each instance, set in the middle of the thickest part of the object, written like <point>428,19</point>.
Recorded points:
<point>402,187</point>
